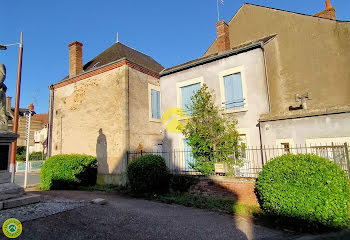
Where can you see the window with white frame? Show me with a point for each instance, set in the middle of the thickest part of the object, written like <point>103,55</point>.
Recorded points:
<point>233,89</point>
<point>185,91</point>
<point>154,102</point>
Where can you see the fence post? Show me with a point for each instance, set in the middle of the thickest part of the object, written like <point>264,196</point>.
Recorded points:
<point>347,157</point>
<point>127,158</point>
<point>141,152</point>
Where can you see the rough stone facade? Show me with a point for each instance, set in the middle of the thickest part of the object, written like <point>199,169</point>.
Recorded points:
<point>104,115</point>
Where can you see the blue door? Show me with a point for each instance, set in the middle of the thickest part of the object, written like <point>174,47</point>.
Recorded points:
<point>188,157</point>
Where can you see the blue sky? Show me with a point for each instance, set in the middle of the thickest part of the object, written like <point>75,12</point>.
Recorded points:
<point>172,32</point>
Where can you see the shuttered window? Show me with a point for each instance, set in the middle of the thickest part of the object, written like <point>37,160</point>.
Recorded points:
<point>155,98</point>
<point>186,93</point>
<point>233,91</point>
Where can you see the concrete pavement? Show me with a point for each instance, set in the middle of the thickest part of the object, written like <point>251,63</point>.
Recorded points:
<point>33,178</point>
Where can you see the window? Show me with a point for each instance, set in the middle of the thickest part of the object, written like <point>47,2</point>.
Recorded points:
<point>154,103</point>
<point>186,94</point>
<point>155,96</point>
<point>233,91</point>
<point>243,145</point>
<point>285,147</point>
<point>185,90</point>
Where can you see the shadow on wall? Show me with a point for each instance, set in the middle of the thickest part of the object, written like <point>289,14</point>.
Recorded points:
<point>101,152</point>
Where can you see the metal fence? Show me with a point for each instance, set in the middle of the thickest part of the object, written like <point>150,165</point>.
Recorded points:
<point>250,159</point>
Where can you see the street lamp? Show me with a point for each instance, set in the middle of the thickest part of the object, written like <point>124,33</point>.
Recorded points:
<point>16,114</point>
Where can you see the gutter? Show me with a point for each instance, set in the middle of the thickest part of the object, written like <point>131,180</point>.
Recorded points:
<point>212,59</point>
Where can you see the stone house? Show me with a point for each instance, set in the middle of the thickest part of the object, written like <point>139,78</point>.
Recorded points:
<point>106,107</point>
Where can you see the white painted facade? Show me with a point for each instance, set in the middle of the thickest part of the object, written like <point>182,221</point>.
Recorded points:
<point>250,65</point>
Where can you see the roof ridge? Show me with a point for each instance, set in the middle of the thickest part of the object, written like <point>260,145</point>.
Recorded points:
<point>283,10</point>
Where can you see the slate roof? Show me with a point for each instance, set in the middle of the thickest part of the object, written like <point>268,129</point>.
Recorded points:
<point>202,60</point>
<point>118,51</point>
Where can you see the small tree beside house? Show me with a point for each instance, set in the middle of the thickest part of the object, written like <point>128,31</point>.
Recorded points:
<point>210,133</point>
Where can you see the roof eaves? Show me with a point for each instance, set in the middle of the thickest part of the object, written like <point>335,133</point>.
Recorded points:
<point>94,69</point>
<point>211,59</point>
<point>90,70</point>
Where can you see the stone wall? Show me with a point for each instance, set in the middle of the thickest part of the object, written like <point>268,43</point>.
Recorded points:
<point>240,190</point>
<point>90,117</point>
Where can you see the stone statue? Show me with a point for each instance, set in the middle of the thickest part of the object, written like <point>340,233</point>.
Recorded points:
<point>3,88</point>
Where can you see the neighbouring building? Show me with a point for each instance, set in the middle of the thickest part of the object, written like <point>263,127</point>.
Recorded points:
<point>308,72</point>
<point>236,76</point>
<point>40,136</point>
<point>284,76</point>
<point>106,107</point>
<point>36,124</point>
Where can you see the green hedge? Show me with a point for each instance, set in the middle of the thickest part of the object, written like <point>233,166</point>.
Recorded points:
<point>148,174</point>
<point>68,171</point>
<point>304,190</point>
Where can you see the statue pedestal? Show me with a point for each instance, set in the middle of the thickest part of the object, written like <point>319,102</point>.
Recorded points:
<point>11,195</point>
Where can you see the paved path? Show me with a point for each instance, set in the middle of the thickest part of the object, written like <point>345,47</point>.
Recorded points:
<point>33,179</point>
<point>127,218</point>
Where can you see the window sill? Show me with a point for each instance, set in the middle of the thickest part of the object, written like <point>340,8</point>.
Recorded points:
<point>155,120</point>
<point>236,110</point>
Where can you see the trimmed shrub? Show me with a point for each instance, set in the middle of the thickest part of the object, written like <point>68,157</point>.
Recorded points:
<point>304,190</point>
<point>68,171</point>
<point>148,174</point>
<point>181,183</point>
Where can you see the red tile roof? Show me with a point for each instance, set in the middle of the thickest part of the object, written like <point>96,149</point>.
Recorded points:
<point>43,117</point>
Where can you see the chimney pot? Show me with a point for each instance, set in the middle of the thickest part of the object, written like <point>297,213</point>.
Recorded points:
<point>223,38</point>
<point>75,58</point>
<point>31,107</point>
<point>328,13</point>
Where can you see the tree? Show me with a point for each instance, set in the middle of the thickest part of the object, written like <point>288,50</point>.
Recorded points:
<point>211,133</point>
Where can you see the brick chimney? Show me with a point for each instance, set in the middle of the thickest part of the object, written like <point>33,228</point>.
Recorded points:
<point>223,38</point>
<point>75,58</point>
<point>328,13</point>
<point>31,107</point>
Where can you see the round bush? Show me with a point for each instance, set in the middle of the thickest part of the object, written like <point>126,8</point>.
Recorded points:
<point>304,188</point>
<point>148,174</point>
<point>68,171</point>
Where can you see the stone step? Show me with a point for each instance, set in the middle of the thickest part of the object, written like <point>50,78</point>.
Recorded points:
<point>10,190</point>
<point>5,177</point>
<point>21,201</point>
